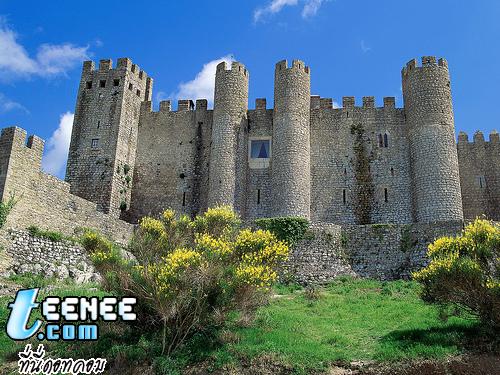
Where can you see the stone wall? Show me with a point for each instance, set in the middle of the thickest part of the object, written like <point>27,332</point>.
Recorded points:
<point>44,200</point>
<point>383,251</point>
<point>48,258</point>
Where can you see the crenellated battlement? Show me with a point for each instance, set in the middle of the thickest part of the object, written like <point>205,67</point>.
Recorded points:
<point>14,138</point>
<point>478,138</point>
<point>368,102</point>
<point>282,66</point>
<point>234,68</point>
<point>123,64</point>
<point>426,62</point>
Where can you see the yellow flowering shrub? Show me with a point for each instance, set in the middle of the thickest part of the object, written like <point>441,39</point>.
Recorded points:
<point>465,270</point>
<point>261,276</point>
<point>151,226</point>
<point>189,274</point>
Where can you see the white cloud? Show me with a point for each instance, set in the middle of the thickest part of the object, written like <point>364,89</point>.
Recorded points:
<point>275,6</point>
<point>56,152</point>
<point>364,47</point>
<point>7,105</point>
<point>50,60</point>
<point>202,86</point>
<point>309,9</point>
<point>336,104</point>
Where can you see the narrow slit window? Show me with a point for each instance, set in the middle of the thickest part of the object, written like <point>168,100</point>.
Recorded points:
<point>392,171</point>
<point>98,124</point>
<point>130,87</point>
<point>385,196</point>
<point>380,141</point>
<point>258,196</point>
<point>138,92</point>
<point>183,199</point>
<point>386,140</point>
<point>343,196</point>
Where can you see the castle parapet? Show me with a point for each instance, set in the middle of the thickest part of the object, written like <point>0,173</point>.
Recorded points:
<point>368,102</point>
<point>165,106</point>
<point>201,104</point>
<point>348,102</point>
<point>389,102</point>
<point>261,104</point>
<point>185,105</point>
<point>426,61</point>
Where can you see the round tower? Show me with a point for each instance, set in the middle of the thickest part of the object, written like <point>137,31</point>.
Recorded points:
<point>230,111</point>
<point>291,175</point>
<point>431,134</point>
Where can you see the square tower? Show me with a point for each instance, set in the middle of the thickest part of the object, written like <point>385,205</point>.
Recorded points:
<point>103,142</point>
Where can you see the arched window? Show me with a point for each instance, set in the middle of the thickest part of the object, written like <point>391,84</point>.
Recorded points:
<point>380,141</point>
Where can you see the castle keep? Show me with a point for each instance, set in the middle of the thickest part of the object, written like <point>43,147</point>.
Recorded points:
<point>358,164</point>
<point>345,169</point>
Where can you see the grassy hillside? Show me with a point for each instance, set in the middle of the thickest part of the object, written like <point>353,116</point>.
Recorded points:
<point>349,320</point>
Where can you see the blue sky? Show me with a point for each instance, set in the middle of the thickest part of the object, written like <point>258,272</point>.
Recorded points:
<point>354,48</point>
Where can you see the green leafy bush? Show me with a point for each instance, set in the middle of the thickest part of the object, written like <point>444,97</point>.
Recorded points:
<point>5,208</point>
<point>50,235</point>
<point>465,271</point>
<point>288,229</point>
<point>190,274</point>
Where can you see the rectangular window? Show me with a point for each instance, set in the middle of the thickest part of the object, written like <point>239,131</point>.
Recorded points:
<point>102,83</point>
<point>95,143</point>
<point>385,196</point>
<point>481,182</point>
<point>116,82</point>
<point>130,87</point>
<point>260,149</point>
<point>89,84</point>
<point>258,196</point>
<point>344,196</point>
<point>138,93</point>
<point>183,199</point>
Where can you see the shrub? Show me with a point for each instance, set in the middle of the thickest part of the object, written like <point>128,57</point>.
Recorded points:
<point>465,271</point>
<point>288,229</point>
<point>50,235</point>
<point>190,274</point>
<point>5,208</point>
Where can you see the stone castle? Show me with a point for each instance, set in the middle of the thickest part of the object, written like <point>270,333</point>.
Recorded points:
<point>399,169</point>
<point>349,165</point>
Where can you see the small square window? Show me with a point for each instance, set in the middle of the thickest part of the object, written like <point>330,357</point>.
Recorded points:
<point>95,143</point>
<point>260,149</point>
<point>130,87</point>
<point>138,92</point>
<point>116,82</point>
<point>89,84</point>
<point>102,83</point>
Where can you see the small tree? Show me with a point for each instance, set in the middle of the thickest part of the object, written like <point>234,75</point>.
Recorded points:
<point>465,271</point>
<point>190,274</point>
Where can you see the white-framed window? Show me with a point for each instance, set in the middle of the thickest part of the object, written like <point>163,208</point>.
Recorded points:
<point>259,152</point>
<point>95,143</point>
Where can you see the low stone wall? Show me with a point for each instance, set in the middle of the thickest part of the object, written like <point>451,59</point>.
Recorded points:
<point>319,257</point>
<point>61,259</point>
<point>385,252</point>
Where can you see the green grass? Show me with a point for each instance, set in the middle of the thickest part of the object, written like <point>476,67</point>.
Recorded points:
<point>351,320</point>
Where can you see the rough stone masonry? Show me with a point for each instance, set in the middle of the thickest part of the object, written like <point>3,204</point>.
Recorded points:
<point>353,166</point>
